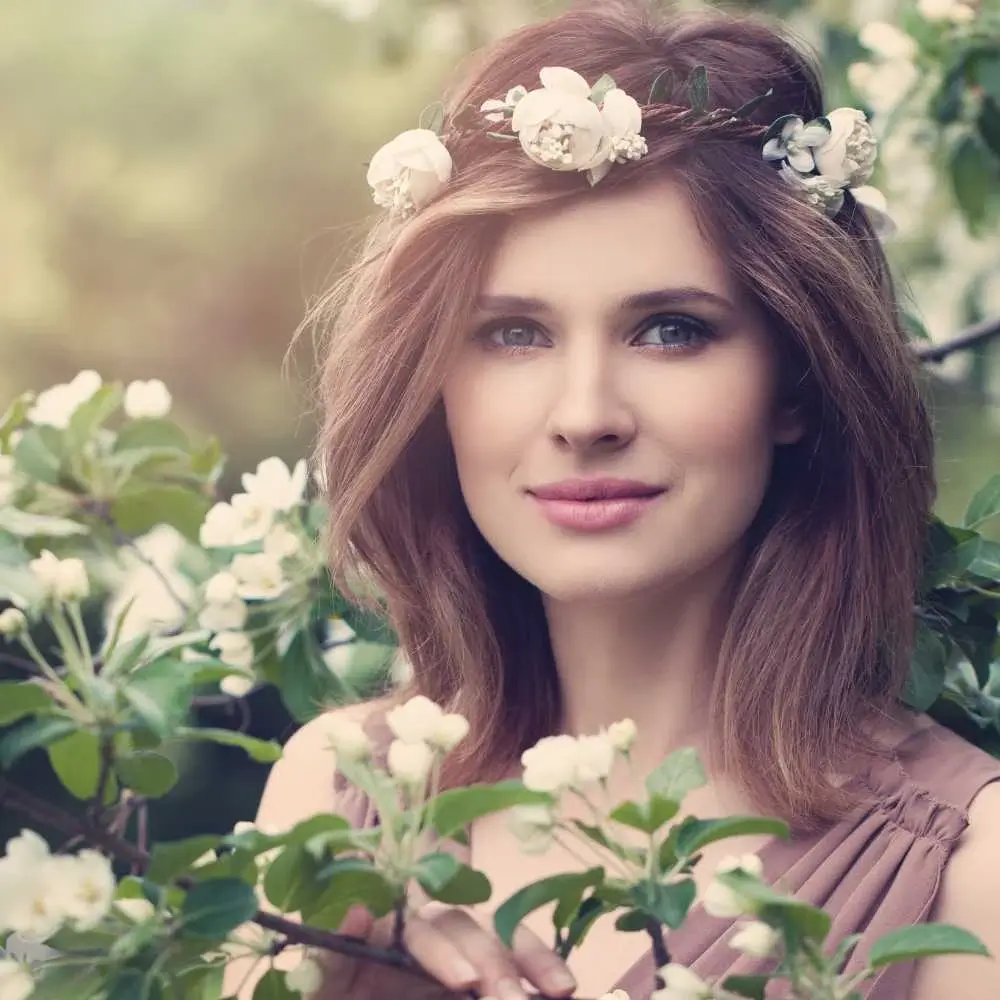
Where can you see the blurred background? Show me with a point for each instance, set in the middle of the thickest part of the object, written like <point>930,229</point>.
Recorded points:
<point>180,178</point>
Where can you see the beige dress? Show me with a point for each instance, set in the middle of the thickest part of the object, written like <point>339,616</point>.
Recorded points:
<point>876,870</point>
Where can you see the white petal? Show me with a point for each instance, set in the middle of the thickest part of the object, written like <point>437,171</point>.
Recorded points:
<point>536,106</point>
<point>621,112</point>
<point>802,160</point>
<point>563,79</point>
<point>774,149</point>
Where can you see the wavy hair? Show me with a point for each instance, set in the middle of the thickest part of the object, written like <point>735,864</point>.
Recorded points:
<point>821,628</point>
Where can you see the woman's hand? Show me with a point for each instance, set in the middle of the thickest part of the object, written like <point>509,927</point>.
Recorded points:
<point>452,948</point>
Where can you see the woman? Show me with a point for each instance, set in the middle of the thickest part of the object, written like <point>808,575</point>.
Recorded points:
<point>716,343</point>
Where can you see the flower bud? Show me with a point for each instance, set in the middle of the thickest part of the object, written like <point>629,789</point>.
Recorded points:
<point>348,739</point>
<point>16,982</point>
<point>12,623</point>
<point>680,983</point>
<point>622,735</point>
<point>756,939</point>
<point>410,763</point>
<point>306,978</point>
<point>450,730</point>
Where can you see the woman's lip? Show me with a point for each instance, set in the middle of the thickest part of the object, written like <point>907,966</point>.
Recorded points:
<point>595,515</point>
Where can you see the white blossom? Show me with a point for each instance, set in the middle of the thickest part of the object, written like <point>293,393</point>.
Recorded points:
<point>348,738</point>
<point>946,10</point>
<point>234,648</point>
<point>221,588</point>
<point>849,152</point>
<point>533,826</point>
<point>281,542</point>
<point>274,485</point>
<point>756,939</point>
<point>306,978</point>
<point>147,400</point>
<point>622,735</point>
<point>61,579</point>
<point>224,617</point>
<point>795,144</point>
<point>410,763</point>
<point>496,110</point>
<point>244,519</point>
<point>615,995</point>
<point>722,901</point>
<point>16,982</point>
<point>450,730</point>
<point>962,13</point>
<point>136,909</point>
<point>550,765</point>
<point>875,207</point>
<point>821,192</point>
<point>595,758</point>
<point>680,983</point>
<point>259,576</point>
<point>415,720</point>
<point>408,171</point>
<point>887,41</point>
<point>55,406</point>
<point>220,527</point>
<point>86,887</point>
<point>12,622</point>
<point>237,685</point>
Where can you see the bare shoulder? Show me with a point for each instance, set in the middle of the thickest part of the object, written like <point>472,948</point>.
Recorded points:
<point>301,782</point>
<point>969,898</point>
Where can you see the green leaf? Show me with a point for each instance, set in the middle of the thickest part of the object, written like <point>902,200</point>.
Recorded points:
<point>922,940</point>
<point>142,507</point>
<point>987,70</point>
<point>262,751</point>
<point>699,833</point>
<point>76,759</point>
<point>160,696</point>
<point>305,681</point>
<point>632,921</point>
<point>600,89</point>
<point>213,909</point>
<point>61,982</point>
<point>669,904</point>
<point>137,435</point>
<point>21,698</point>
<point>172,858</point>
<point>89,416</point>
<point>454,809</point>
<point>985,504</point>
<point>271,986</point>
<point>925,681</point>
<point>348,881</point>
<point>973,177</point>
<point>291,882</point>
<point>697,87</point>
<point>747,109</point>
<point>536,895</point>
<point>40,453</point>
<point>987,561</point>
<point>150,774</point>
<point>753,987</point>
<point>913,325</point>
<point>433,115</point>
<point>663,85</point>
<point>679,774</point>
<point>447,880</point>
<point>645,816</point>
<point>777,909</point>
<point>27,525</point>
<point>32,734</point>
<point>988,123</point>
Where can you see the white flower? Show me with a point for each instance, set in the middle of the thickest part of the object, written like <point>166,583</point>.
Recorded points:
<point>221,588</point>
<point>305,978</point>
<point>237,685</point>
<point>622,735</point>
<point>887,83</point>
<point>26,849</point>
<point>821,192</point>
<point>244,826</point>
<point>219,527</point>
<point>408,171</point>
<point>234,648</point>
<point>137,910</point>
<point>850,150</point>
<point>55,406</point>
<point>795,144</point>
<point>86,886</point>
<point>259,576</point>
<point>414,721</point>
<point>559,126</point>
<point>595,756</point>
<point>410,763</point>
<point>450,730</point>
<point>942,10</point>
<point>860,75</point>
<point>245,519</point>
<point>12,622</point>
<point>147,400</point>
<point>281,542</point>
<point>275,486</point>
<point>550,765</point>
<point>623,121</point>
<point>615,995</point>
<point>680,983</point>
<point>721,901</point>
<point>15,980</point>
<point>962,13</point>
<point>876,208</point>
<point>224,617</point>
<point>756,939</point>
<point>533,826</point>
<point>887,41</point>
<point>497,110</point>
<point>61,579</point>
<point>348,738</point>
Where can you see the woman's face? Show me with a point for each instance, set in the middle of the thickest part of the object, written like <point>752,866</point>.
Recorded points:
<point>610,341</point>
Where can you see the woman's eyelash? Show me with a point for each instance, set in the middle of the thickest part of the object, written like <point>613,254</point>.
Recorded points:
<point>703,332</point>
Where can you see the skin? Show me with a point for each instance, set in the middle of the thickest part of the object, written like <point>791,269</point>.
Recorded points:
<point>635,613</point>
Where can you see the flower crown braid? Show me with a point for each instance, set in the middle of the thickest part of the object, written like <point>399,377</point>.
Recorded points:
<point>567,125</point>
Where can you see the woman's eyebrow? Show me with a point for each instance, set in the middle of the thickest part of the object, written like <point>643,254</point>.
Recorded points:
<point>655,299</point>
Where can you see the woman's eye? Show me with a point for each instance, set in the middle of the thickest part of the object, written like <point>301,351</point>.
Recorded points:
<point>510,335</point>
<point>676,331</point>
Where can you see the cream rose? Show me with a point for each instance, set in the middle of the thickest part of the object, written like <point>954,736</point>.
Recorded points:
<point>408,171</point>
<point>849,152</point>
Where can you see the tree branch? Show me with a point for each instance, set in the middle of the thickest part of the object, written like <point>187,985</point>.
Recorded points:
<point>972,336</point>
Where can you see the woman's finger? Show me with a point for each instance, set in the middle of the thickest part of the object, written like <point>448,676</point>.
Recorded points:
<point>540,965</point>
<point>440,954</point>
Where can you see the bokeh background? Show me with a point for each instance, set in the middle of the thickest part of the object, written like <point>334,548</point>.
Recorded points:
<point>180,178</point>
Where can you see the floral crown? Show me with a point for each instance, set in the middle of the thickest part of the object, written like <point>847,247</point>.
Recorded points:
<point>569,125</point>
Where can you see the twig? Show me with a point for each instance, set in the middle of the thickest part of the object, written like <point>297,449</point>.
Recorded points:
<point>20,663</point>
<point>661,955</point>
<point>97,808</point>
<point>973,336</point>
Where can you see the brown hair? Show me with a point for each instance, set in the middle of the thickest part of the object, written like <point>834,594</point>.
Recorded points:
<point>822,623</point>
